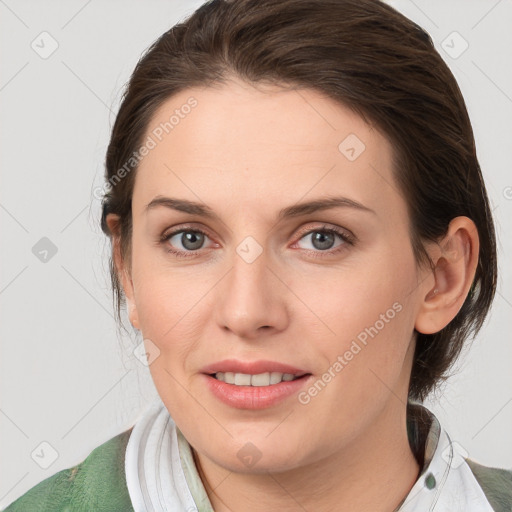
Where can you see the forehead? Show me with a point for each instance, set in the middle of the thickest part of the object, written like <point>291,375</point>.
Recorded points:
<point>262,144</point>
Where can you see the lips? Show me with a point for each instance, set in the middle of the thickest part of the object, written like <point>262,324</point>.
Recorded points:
<point>253,385</point>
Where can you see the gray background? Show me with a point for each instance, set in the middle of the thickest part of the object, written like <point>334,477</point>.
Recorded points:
<point>66,377</point>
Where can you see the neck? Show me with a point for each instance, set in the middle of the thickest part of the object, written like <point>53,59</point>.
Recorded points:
<point>373,474</point>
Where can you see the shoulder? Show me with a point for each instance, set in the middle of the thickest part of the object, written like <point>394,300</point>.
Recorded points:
<point>496,484</point>
<point>98,483</point>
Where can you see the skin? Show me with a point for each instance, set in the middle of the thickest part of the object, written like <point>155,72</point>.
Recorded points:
<point>248,152</point>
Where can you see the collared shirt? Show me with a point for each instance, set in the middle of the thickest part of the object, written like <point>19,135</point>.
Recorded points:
<point>161,474</point>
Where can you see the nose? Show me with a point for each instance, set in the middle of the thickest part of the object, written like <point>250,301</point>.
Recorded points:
<point>251,301</point>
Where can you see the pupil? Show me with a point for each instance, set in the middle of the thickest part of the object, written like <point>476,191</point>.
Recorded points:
<point>323,240</point>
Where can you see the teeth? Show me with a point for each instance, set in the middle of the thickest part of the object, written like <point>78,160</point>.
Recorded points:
<point>275,377</point>
<point>262,379</point>
<point>242,379</point>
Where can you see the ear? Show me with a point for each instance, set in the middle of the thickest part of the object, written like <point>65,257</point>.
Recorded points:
<point>455,258</point>
<point>122,268</point>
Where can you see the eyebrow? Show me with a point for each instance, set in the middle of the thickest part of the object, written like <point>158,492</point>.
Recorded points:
<point>296,210</point>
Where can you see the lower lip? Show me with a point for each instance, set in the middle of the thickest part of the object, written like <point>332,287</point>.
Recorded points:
<point>254,397</point>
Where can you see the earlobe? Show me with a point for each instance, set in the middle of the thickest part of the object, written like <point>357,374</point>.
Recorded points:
<point>455,259</point>
<point>133,314</point>
<point>127,284</point>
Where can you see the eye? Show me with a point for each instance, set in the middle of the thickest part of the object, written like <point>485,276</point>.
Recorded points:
<point>325,239</point>
<point>183,242</point>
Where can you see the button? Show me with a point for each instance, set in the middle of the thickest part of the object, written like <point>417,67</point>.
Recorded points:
<point>430,481</point>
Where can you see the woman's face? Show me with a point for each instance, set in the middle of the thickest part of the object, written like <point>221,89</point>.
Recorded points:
<point>259,277</point>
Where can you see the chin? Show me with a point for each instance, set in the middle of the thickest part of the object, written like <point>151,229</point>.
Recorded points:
<point>260,464</point>
<point>259,453</point>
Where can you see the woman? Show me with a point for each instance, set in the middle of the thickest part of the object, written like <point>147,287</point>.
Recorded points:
<point>301,233</point>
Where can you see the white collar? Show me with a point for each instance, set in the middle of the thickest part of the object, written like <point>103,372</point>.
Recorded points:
<point>446,482</point>
<point>161,475</point>
<point>154,471</point>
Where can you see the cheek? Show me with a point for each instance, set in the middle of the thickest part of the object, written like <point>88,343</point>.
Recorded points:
<point>169,313</point>
<point>160,302</point>
<point>367,323</point>
<point>365,298</point>
<point>164,294</point>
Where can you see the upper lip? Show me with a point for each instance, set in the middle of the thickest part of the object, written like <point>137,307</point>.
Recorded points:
<point>251,367</point>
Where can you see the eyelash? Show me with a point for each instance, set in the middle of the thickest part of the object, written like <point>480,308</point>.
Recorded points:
<point>347,239</point>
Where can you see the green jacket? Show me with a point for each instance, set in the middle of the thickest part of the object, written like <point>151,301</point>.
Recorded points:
<point>98,484</point>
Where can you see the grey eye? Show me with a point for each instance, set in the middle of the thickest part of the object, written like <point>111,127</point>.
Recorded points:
<point>190,240</point>
<point>321,240</point>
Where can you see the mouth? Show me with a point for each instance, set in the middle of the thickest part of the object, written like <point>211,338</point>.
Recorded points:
<point>255,384</point>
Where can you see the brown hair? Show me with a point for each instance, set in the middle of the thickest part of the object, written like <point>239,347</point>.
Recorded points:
<point>363,54</point>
